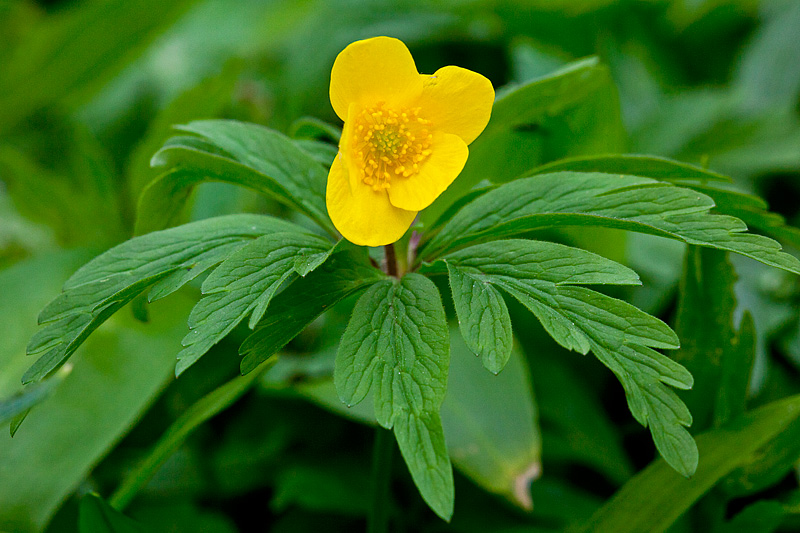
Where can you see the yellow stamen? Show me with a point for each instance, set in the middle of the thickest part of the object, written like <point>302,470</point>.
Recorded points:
<point>390,143</point>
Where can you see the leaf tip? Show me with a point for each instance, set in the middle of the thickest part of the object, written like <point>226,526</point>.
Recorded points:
<point>521,490</point>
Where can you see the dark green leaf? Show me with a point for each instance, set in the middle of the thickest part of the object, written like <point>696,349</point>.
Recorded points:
<point>705,326</point>
<point>615,201</point>
<point>760,517</point>
<point>540,275</point>
<point>96,516</point>
<point>646,166</point>
<point>245,283</point>
<point>303,301</point>
<point>207,407</point>
<point>657,496</point>
<point>574,111</point>
<point>483,319</point>
<point>240,153</point>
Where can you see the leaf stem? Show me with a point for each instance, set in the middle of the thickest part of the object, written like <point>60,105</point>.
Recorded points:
<point>391,260</point>
<point>382,452</point>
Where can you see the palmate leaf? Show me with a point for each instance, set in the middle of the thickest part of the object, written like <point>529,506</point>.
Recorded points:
<point>543,277</point>
<point>165,260</point>
<point>244,283</point>
<point>617,201</point>
<point>346,273</point>
<point>397,343</point>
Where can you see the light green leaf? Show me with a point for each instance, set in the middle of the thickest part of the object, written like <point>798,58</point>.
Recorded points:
<point>657,497</point>
<point>483,319</point>
<point>167,259</point>
<point>397,339</point>
<point>245,283</point>
<point>71,56</point>
<point>240,153</point>
<point>207,99</point>
<point>574,111</point>
<point>540,275</point>
<point>96,516</point>
<point>16,407</point>
<point>345,273</point>
<point>615,201</point>
<point>207,407</point>
<point>490,423</point>
<point>116,375</point>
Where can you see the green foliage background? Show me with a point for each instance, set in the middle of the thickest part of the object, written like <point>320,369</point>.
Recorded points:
<point>708,92</point>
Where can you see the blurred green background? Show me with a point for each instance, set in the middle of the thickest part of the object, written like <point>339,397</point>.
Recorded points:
<point>89,90</point>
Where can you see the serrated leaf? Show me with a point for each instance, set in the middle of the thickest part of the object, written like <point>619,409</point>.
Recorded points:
<point>235,152</point>
<point>624,202</point>
<point>303,301</point>
<point>539,275</point>
<point>482,318</point>
<point>397,339</point>
<point>20,403</point>
<point>108,282</point>
<point>657,496</point>
<point>242,284</point>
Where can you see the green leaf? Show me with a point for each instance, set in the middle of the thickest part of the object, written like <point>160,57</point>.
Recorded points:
<point>67,58</point>
<point>483,316</point>
<point>489,420</point>
<point>116,376</point>
<point>483,319</point>
<point>235,152</point>
<point>614,201</point>
<point>245,283</point>
<point>207,407</point>
<point>704,324</point>
<point>345,273</point>
<point>167,260</point>
<point>490,423</point>
<point>19,404</point>
<point>207,99</point>
<point>657,496</point>
<point>737,366</point>
<point>96,516</point>
<point>763,516</point>
<point>574,111</point>
<point>397,339</point>
<point>541,276</point>
<point>646,166</point>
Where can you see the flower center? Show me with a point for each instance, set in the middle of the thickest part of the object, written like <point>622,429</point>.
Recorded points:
<point>390,143</point>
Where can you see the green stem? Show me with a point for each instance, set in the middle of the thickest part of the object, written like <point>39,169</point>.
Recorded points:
<point>382,451</point>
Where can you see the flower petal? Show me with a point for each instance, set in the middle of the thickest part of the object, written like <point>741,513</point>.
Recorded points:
<point>372,70</point>
<point>363,216</point>
<point>458,101</point>
<point>448,157</point>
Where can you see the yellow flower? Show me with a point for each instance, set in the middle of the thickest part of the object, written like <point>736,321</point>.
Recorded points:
<point>405,137</point>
